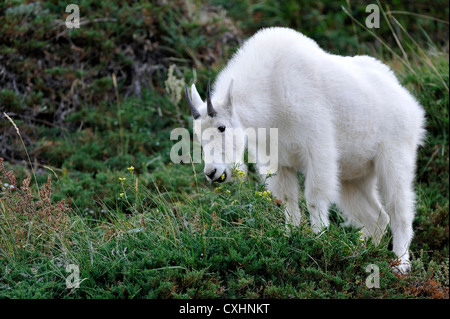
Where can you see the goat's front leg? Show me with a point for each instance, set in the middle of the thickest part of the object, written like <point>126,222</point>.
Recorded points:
<point>284,185</point>
<point>321,187</point>
<point>318,209</point>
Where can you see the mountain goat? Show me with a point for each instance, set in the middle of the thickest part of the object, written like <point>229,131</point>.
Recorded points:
<point>346,123</point>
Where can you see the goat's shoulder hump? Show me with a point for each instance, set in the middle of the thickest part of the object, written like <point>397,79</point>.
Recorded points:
<point>281,35</point>
<point>368,62</point>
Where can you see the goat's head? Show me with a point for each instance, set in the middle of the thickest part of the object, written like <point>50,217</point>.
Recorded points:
<point>214,128</point>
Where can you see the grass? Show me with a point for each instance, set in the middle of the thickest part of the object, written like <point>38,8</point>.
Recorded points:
<point>106,198</point>
<point>231,244</point>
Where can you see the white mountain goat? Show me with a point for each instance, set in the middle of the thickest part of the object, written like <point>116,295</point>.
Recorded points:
<point>346,123</point>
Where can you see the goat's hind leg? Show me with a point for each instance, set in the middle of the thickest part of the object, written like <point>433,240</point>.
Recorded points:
<point>395,171</point>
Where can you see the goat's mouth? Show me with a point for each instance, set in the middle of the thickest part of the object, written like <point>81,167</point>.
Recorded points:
<point>222,178</point>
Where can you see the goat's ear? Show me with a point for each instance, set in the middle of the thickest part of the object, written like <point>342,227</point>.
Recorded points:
<point>196,99</point>
<point>228,102</point>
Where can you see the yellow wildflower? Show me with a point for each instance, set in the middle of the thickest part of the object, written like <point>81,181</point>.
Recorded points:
<point>131,168</point>
<point>239,172</point>
<point>122,179</point>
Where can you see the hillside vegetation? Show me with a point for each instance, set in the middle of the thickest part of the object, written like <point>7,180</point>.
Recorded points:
<point>86,177</point>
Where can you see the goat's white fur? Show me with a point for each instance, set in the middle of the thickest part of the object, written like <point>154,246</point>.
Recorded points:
<point>345,122</point>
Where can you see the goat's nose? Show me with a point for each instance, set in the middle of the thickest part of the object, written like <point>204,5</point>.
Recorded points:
<point>211,174</point>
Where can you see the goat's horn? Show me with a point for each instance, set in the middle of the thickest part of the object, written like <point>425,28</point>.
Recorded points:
<point>194,111</point>
<point>210,108</point>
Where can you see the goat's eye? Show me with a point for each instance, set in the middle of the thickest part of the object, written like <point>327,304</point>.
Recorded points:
<point>221,128</point>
